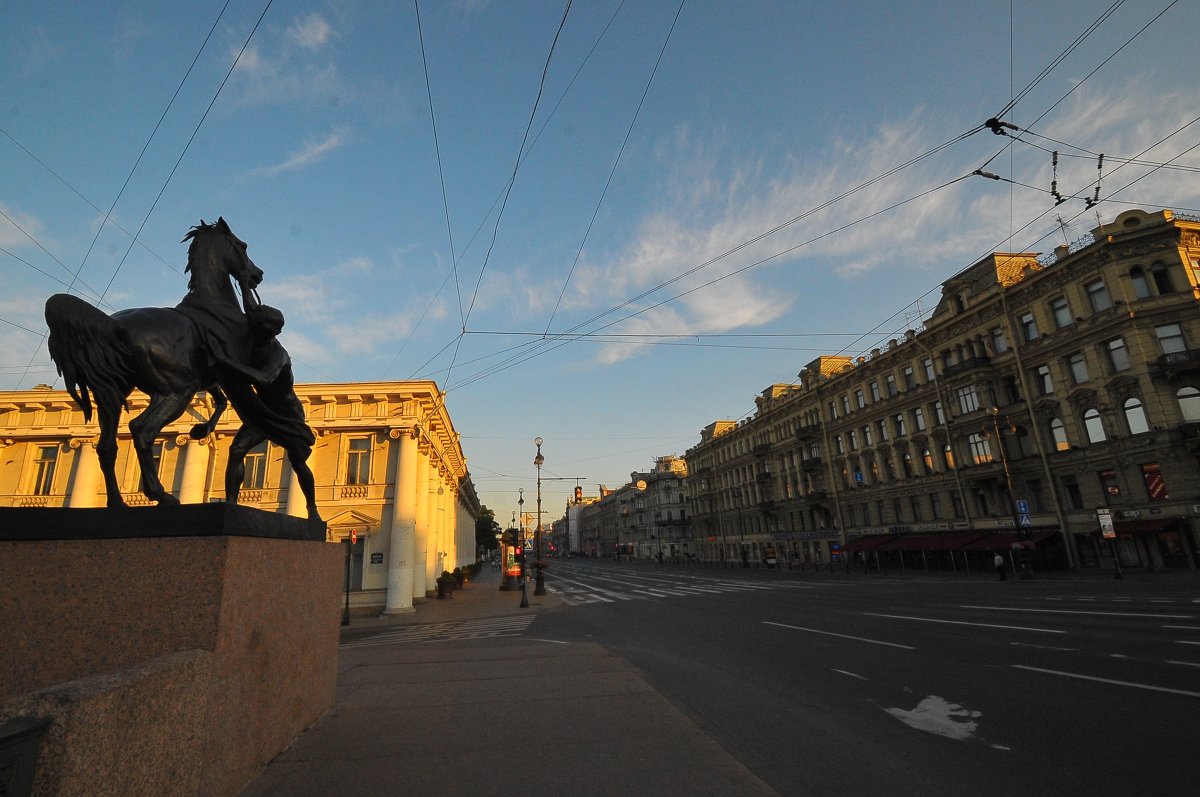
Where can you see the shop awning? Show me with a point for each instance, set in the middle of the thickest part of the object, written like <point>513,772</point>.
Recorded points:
<point>933,541</point>
<point>1146,526</point>
<point>866,543</point>
<point>1004,540</point>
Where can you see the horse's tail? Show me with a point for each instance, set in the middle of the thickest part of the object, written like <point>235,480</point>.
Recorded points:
<point>85,347</point>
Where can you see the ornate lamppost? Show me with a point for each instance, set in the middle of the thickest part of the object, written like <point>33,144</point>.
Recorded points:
<point>538,565</point>
<point>521,506</point>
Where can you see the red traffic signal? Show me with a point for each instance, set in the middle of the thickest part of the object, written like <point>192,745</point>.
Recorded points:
<point>354,536</point>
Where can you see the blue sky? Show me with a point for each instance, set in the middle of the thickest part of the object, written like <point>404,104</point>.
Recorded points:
<point>665,143</point>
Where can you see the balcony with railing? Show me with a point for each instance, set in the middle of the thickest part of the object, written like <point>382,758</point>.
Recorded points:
<point>966,366</point>
<point>1179,362</point>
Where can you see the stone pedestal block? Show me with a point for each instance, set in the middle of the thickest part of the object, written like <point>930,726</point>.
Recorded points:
<point>90,592</point>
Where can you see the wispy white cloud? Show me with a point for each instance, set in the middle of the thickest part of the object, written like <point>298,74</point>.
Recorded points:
<point>311,32</point>
<point>312,151</point>
<point>11,237</point>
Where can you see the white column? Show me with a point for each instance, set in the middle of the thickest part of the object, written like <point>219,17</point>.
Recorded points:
<point>85,484</point>
<point>423,574</point>
<point>194,469</point>
<point>402,566</point>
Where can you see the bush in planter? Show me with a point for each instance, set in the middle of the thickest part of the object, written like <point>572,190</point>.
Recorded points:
<point>458,577</point>
<point>445,585</point>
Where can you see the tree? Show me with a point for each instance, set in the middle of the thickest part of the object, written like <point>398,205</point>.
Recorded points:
<point>486,529</point>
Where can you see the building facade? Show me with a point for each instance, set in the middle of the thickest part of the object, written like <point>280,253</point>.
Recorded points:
<point>1045,397</point>
<point>389,469</point>
<point>644,518</point>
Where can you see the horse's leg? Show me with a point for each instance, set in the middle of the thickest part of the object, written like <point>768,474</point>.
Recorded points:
<point>106,450</point>
<point>235,471</point>
<point>203,430</point>
<point>163,409</point>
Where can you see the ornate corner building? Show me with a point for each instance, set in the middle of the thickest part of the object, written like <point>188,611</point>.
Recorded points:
<point>389,469</point>
<point>1045,397</point>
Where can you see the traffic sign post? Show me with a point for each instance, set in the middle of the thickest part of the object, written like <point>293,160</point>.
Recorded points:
<point>1109,532</point>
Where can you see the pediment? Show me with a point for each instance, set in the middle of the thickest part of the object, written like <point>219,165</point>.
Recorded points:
<point>351,518</point>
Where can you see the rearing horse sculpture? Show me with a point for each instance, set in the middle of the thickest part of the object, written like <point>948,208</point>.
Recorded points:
<point>165,352</point>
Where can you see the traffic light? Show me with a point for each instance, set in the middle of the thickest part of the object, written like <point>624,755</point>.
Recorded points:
<point>518,554</point>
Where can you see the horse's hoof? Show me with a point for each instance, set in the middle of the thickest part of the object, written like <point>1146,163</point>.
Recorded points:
<point>166,499</point>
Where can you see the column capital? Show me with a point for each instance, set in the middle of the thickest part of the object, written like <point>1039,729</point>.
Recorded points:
<point>74,442</point>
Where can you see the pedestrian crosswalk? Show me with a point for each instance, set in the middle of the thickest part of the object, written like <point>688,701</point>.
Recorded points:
<point>577,593</point>
<point>485,628</point>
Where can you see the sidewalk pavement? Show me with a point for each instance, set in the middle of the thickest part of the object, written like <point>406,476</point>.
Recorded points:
<point>513,715</point>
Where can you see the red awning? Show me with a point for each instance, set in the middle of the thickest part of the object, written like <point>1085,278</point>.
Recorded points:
<point>931,541</point>
<point>1150,526</point>
<point>1004,540</point>
<point>865,543</point>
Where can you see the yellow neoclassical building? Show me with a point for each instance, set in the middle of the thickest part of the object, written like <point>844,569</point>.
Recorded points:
<point>389,468</point>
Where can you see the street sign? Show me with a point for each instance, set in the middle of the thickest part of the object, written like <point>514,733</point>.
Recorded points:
<point>1022,506</point>
<point>1026,522</point>
<point>1106,524</point>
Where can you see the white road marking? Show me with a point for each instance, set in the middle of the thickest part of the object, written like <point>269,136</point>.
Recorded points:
<point>843,636</point>
<point>1041,647</point>
<point>964,622</point>
<point>1186,642</point>
<point>1108,681</point>
<point>1183,627</point>
<point>1072,611</point>
<point>851,674</point>
<point>936,715</point>
<point>1184,663</point>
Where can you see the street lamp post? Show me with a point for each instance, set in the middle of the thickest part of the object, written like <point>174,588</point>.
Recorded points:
<point>521,507</point>
<point>538,565</point>
<point>1008,483</point>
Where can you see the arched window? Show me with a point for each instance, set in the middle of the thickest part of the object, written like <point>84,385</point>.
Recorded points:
<point>1189,404</point>
<point>1135,416</point>
<point>1094,426</point>
<point>927,458</point>
<point>1058,434</point>
<point>1162,278</point>
<point>1141,288</point>
<point>948,456</point>
<point>907,464</point>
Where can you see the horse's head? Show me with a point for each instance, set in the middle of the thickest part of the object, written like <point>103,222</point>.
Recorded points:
<point>225,251</point>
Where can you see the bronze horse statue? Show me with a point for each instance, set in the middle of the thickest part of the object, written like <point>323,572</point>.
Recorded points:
<point>168,353</point>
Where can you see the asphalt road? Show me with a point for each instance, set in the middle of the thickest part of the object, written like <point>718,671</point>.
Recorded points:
<point>857,684</point>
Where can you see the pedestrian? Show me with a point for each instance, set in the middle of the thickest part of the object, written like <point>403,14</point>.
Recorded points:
<point>998,561</point>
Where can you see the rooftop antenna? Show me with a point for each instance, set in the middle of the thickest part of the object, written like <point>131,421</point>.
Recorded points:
<point>1062,227</point>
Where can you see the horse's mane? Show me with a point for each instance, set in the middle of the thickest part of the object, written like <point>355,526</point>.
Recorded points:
<point>192,235</point>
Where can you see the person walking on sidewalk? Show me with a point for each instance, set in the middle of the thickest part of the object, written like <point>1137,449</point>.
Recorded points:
<point>998,561</point>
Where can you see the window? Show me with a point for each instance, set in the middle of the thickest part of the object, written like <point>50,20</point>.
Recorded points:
<point>1098,297</point>
<point>859,400</point>
<point>1156,488</point>
<point>883,434</point>
<point>1189,404</point>
<point>1071,490</point>
<point>1094,426</point>
<point>968,399</point>
<point>845,405</point>
<point>999,342</point>
<point>1141,288</point>
<point>358,461</point>
<point>1162,278</point>
<point>914,507</point>
<point>927,458</point>
<point>1061,312</point>
<point>867,437</point>
<point>837,444</point>
<point>1170,338</point>
<point>948,457</point>
<point>1118,356</point>
<point>898,423</point>
<point>1012,390</point>
<point>875,395</point>
<point>938,413</point>
<point>43,470</point>
<point>1029,330</point>
<point>981,450</point>
<point>256,467</point>
<point>957,502</point>
<point>1077,365</point>
<point>927,364</point>
<point>1058,434</point>
<point>910,379</point>
<point>1043,380</point>
<point>935,505</point>
<point>1024,443</point>
<point>919,419</point>
<point>906,465</point>
<point>833,410</point>
<point>1135,416</point>
<point>1109,485</point>
<point>852,438</point>
<point>889,382</point>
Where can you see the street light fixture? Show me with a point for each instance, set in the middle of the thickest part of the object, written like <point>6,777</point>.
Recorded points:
<point>538,565</point>
<point>521,506</point>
